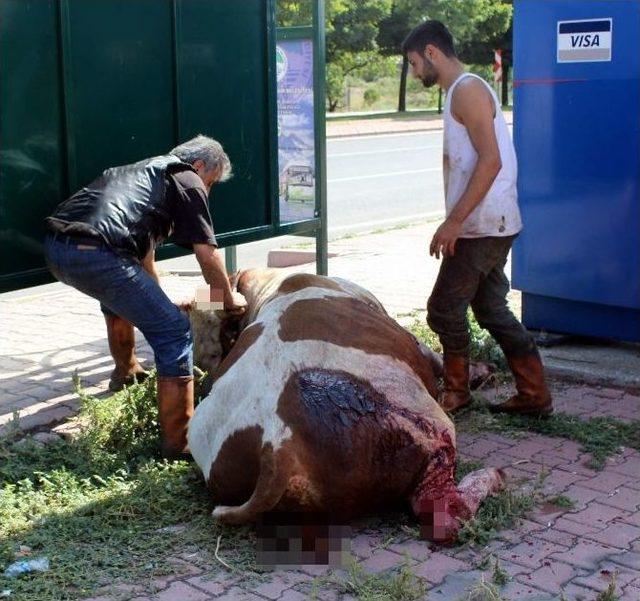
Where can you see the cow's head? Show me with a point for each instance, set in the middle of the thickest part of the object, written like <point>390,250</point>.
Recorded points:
<point>215,332</point>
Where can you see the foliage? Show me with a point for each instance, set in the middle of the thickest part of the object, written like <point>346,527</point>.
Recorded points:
<point>609,594</point>
<point>482,591</point>
<point>497,512</point>
<point>401,585</point>
<point>499,576</point>
<point>103,507</point>
<point>482,345</point>
<point>562,501</point>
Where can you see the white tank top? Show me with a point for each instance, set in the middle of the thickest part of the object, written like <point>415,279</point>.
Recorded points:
<point>498,213</point>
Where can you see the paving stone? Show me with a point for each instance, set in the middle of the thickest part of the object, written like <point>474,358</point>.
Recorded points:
<point>531,552</point>
<point>238,594</point>
<point>601,579</point>
<point>181,591</point>
<point>550,578</point>
<point>578,528</point>
<point>586,554</point>
<point>617,534</point>
<point>483,448</point>
<point>524,592</point>
<point>363,545</point>
<point>622,498</point>
<point>438,566</point>
<point>417,549</point>
<point>527,449</point>
<point>605,481</point>
<point>574,592</point>
<point>630,559</point>
<point>579,467</point>
<point>630,467</point>
<point>293,595</point>
<point>582,496</point>
<point>455,586</point>
<point>382,560</point>
<point>278,583</point>
<point>558,537</point>
<point>595,514</point>
<point>208,585</point>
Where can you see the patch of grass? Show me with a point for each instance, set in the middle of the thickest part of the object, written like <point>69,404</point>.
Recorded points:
<point>562,501</point>
<point>499,511</point>
<point>466,467</point>
<point>610,593</point>
<point>400,585</point>
<point>482,346</point>
<point>98,506</point>
<point>499,576</point>
<point>602,437</point>
<point>482,591</point>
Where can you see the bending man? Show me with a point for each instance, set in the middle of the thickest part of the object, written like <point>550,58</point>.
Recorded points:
<point>102,241</point>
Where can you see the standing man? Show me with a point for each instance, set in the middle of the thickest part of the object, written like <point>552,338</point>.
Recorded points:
<point>102,241</point>
<point>482,221</point>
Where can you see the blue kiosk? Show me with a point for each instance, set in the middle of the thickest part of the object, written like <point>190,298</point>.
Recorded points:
<point>577,135</point>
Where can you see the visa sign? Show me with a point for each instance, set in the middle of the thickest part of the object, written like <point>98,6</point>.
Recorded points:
<point>584,41</point>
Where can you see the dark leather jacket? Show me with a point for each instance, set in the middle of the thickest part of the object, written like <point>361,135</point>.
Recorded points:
<point>126,206</point>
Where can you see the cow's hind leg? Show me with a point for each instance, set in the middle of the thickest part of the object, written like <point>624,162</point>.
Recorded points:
<point>270,486</point>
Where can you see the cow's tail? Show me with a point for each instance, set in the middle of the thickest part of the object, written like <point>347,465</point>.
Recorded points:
<point>271,485</point>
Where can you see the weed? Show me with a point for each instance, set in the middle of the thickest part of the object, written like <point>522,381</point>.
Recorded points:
<point>562,501</point>
<point>499,576</point>
<point>482,346</point>
<point>609,594</point>
<point>499,511</point>
<point>98,506</point>
<point>482,591</point>
<point>401,585</point>
<point>466,467</point>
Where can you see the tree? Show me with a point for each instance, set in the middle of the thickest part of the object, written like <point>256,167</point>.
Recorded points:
<point>475,24</point>
<point>351,30</point>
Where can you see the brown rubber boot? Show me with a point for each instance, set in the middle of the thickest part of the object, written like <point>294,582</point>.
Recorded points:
<point>175,408</point>
<point>122,345</point>
<point>533,396</point>
<point>455,394</point>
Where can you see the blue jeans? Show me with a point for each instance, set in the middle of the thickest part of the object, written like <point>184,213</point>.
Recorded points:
<point>123,287</point>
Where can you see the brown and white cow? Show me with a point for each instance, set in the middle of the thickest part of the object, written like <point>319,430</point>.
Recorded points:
<point>325,404</point>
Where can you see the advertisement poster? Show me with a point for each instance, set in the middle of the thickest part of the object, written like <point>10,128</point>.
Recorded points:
<point>296,162</point>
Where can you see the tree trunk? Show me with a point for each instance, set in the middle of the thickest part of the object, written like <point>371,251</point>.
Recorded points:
<point>439,101</point>
<point>505,84</point>
<point>402,96</point>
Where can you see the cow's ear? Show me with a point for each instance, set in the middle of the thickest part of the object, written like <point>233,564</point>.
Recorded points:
<point>229,331</point>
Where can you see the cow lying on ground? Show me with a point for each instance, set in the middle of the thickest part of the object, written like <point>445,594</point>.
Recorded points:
<point>325,404</point>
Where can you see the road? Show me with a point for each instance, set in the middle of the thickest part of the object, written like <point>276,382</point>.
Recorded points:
<point>372,182</point>
<point>383,178</point>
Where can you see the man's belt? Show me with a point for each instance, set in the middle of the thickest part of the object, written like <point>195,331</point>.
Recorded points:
<point>79,241</point>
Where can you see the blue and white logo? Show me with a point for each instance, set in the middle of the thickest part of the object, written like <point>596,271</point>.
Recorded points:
<point>584,41</point>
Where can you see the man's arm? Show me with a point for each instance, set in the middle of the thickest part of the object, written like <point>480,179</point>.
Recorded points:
<point>215,274</point>
<point>149,264</point>
<point>473,106</point>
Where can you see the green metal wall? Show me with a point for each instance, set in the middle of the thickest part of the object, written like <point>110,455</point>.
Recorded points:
<point>90,84</point>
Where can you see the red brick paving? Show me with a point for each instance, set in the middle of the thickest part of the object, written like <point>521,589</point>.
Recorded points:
<point>555,550</point>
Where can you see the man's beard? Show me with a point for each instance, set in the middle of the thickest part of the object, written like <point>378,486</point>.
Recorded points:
<point>431,78</point>
<point>428,81</point>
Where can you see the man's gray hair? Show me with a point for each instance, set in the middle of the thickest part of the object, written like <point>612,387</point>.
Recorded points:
<point>205,149</point>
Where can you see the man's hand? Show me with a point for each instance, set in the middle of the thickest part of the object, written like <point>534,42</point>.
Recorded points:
<point>236,304</point>
<point>444,240</point>
<point>185,304</point>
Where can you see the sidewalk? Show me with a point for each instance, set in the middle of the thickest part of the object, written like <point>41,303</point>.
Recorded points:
<point>389,125</point>
<point>556,550</point>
